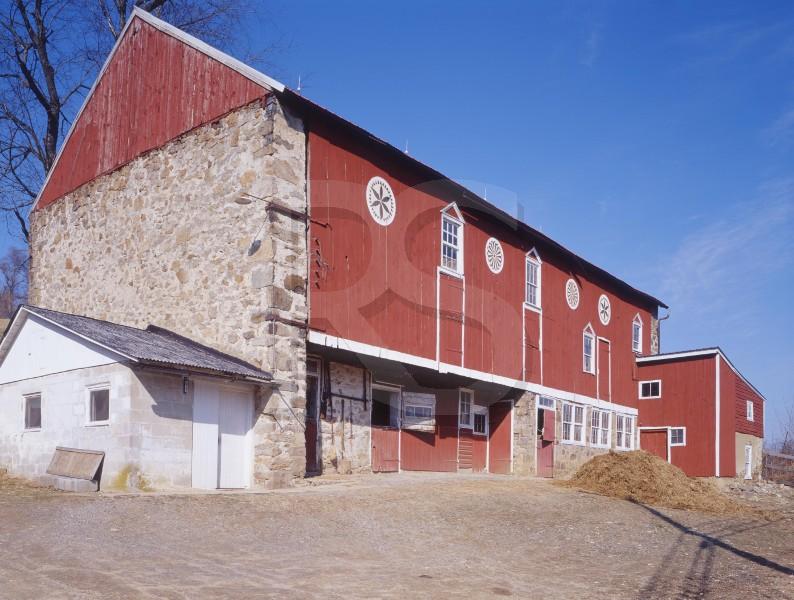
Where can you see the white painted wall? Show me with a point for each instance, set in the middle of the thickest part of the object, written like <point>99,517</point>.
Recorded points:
<point>41,348</point>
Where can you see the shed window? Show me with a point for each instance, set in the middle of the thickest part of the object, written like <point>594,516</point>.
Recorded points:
<point>750,411</point>
<point>481,420</point>
<point>624,432</point>
<point>99,406</point>
<point>651,389</point>
<point>419,411</point>
<point>636,335</point>
<point>599,428</point>
<point>573,423</point>
<point>33,411</point>
<point>678,436</point>
<point>588,342</point>
<point>533,279</point>
<point>451,244</point>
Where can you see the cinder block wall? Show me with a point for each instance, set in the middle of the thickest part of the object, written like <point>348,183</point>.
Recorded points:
<point>162,241</point>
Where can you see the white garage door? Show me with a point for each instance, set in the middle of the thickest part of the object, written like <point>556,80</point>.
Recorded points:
<point>222,417</point>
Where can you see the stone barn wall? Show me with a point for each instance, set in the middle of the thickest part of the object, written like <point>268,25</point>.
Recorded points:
<point>162,240</point>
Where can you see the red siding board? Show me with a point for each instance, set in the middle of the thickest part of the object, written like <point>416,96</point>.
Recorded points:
<point>744,393</point>
<point>154,89</point>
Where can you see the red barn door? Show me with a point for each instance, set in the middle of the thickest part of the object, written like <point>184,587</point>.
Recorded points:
<point>450,319</point>
<point>604,367</point>
<point>655,442</point>
<point>501,434</point>
<point>546,443</point>
<point>385,430</point>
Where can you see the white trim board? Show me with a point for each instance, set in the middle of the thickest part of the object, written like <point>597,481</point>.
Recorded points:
<point>195,43</point>
<point>330,341</point>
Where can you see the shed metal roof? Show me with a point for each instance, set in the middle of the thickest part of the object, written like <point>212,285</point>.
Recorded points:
<point>150,346</point>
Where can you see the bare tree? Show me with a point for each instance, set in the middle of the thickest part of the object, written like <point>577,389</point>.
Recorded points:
<point>50,51</point>
<point>13,281</point>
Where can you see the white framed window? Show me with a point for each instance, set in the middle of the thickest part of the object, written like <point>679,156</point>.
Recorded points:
<point>419,411</point>
<point>588,347</point>
<point>98,405</point>
<point>636,334</point>
<point>750,410</point>
<point>573,423</point>
<point>546,402</point>
<point>465,402</point>
<point>480,420</point>
<point>32,409</point>
<point>678,436</point>
<point>650,389</point>
<point>624,432</point>
<point>599,428</point>
<point>532,294</point>
<point>452,240</point>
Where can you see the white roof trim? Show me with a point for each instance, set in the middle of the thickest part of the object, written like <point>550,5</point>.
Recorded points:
<point>195,43</point>
<point>696,354</point>
<point>453,206</point>
<point>22,316</point>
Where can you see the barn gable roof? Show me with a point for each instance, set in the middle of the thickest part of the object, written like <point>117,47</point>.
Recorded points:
<point>153,346</point>
<point>464,197</point>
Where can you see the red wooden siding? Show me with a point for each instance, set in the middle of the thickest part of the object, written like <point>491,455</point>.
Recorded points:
<point>727,421</point>
<point>479,457</point>
<point>378,285</point>
<point>385,449</point>
<point>154,89</point>
<point>745,393</point>
<point>603,370</point>
<point>465,449</point>
<point>451,319</point>
<point>501,435</point>
<point>688,394</point>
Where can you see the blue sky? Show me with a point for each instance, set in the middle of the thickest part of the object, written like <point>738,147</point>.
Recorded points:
<point>655,139</point>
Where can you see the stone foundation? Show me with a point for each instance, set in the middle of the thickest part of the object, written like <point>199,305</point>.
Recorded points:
<point>524,434</point>
<point>162,240</point>
<point>345,427</point>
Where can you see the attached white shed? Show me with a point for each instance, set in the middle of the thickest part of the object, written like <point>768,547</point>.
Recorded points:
<point>166,411</point>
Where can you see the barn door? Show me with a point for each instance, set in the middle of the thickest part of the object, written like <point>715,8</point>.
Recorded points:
<point>450,313</point>
<point>748,462</point>
<point>205,436</point>
<point>500,445</point>
<point>604,369</point>
<point>655,442</point>
<point>312,415</point>
<point>385,429</point>
<point>546,425</point>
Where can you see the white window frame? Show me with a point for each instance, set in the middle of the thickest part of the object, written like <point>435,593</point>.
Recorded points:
<point>479,410</point>
<point>750,410</point>
<point>551,403</point>
<point>573,423</point>
<point>409,400</point>
<point>452,215</point>
<point>620,430</point>
<point>461,423</point>
<point>649,381</point>
<point>601,415</point>
<point>96,388</point>
<point>25,398</point>
<point>636,344</point>
<point>683,435</point>
<point>533,258</point>
<point>588,332</point>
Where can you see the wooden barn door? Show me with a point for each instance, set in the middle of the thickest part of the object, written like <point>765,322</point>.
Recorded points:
<point>604,369</point>
<point>546,425</point>
<point>312,415</point>
<point>450,315</point>
<point>500,437</point>
<point>385,429</point>
<point>655,442</point>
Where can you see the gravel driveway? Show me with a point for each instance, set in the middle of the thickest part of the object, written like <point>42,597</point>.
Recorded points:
<point>385,537</point>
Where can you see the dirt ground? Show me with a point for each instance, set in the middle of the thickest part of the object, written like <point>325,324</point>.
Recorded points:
<point>398,536</point>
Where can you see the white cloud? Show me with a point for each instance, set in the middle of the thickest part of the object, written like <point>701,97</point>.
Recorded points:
<point>720,272</point>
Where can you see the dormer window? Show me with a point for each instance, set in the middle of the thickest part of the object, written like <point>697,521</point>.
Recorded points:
<point>532,296</point>
<point>452,240</point>
<point>636,334</point>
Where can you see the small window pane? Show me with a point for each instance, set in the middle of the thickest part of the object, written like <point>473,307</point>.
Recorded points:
<point>33,412</point>
<point>677,436</point>
<point>465,409</point>
<point>100,405</point>
<point>479,423</point>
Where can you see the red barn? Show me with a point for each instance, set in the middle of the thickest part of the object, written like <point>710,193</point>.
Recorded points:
<point>409,324</point>
<point>698,412</point>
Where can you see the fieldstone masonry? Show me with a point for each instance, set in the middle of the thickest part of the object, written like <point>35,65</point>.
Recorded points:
<point>345,430</point>
<point>162,240</point>
<point>524,434</point>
